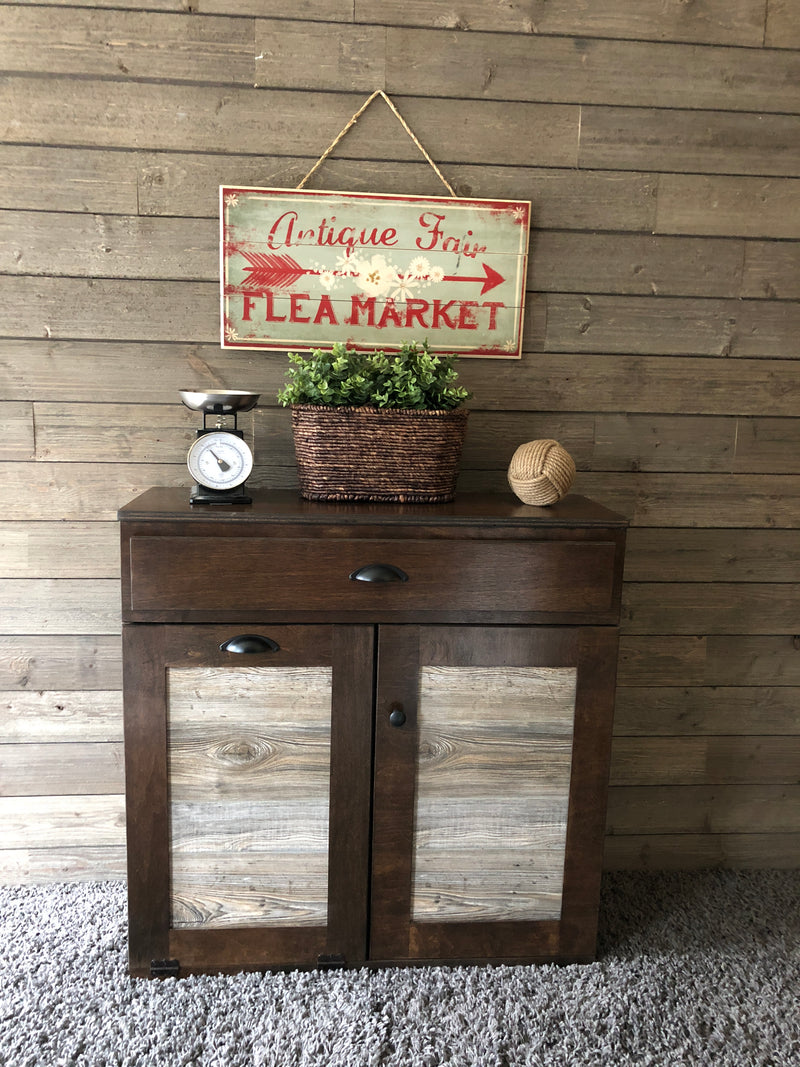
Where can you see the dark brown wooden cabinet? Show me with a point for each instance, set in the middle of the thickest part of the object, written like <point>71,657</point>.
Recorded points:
<point>366,733</point>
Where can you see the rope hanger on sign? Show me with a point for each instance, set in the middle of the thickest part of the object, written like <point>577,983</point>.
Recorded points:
<point>354,120</point>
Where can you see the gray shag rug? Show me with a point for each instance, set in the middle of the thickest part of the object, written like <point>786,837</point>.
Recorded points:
<point>693,968</point>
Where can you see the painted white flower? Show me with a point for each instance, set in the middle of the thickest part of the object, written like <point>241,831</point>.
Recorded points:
<point>519,214</point>
<point>348,265</point>
<point>232,200</point>
<point>327,279</point>
<point>418,267</point>
<point>376,277</point>
<point>406,284</point>
<point>510,346</point>
<point>436,274</point>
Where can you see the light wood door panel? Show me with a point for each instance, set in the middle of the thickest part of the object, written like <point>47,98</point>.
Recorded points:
<point>495,746</point>
<point>249,783</point>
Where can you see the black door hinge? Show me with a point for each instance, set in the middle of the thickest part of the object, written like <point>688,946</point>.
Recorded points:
<point>164,968</point>
<point>331,963</point>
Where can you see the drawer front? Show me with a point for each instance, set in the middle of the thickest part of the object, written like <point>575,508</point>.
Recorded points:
<point>229,574</point>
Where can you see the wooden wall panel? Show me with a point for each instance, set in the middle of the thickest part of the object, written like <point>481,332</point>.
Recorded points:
<point>189,118</point>
<point>658,143</point>
<point>712,555</point>
<point>59,605</point>
<point>713,21</point>
<point>16,438</point>
<point>570,69</point>
<point>133,44</point>
<point>657,711</point>
<point>65,661</point>
<point>703,142</point>
<point>59,550</point>
<point>723,204</point>
<point>642,852</point>
<point>783,25</point>
<point>61,716</point>
<point>748,328</point>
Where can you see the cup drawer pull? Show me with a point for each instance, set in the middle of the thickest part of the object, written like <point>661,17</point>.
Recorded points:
<point>379,572</point>
<point>250,644</point>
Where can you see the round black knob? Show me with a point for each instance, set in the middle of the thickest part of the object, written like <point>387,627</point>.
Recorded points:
<point>397,716</point>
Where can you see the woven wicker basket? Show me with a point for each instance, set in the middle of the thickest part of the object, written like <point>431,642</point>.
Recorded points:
<point>367,453</point>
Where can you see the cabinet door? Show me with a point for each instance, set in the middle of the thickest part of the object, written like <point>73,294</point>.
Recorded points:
<point>248,783</point>
<point>490,785</point>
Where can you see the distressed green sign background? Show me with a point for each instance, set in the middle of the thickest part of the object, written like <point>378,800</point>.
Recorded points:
<point>304,269</point>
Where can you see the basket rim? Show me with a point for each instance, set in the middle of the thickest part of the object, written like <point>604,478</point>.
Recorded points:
<point>373,409</point>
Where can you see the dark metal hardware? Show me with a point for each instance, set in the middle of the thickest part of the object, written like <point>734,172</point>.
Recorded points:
<point>331,963</point>
<point>250,643</point>
<point>397,716</point>
<point>379,572</point>
<point>164,968</point>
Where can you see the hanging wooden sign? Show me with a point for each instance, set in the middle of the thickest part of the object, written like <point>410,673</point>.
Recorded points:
<point>302,269</point>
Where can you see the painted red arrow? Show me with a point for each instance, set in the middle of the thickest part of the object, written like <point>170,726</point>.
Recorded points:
<point>491,280</point>
<point>272,272</point>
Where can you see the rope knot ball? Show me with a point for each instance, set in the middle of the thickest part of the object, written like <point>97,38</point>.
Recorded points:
<point>541,472</point>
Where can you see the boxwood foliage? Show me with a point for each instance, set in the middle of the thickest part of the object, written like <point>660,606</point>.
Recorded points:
<point>410,378</point>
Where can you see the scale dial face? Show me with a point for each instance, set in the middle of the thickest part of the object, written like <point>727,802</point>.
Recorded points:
<point>219,460</point>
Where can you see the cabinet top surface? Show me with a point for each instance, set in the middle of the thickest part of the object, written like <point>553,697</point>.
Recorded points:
<point>286,506</point>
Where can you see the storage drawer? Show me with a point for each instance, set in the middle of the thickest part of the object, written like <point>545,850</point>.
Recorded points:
<point>205,575</point>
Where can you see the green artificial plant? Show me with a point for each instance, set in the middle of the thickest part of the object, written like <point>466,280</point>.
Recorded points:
<point>410,378</point>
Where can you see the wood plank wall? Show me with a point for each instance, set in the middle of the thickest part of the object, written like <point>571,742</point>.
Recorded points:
<point>659,142</point>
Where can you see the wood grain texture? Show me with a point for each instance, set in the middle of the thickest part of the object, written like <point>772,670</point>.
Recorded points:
<point>704,760</point>
<point>491,800</point>
<point>771,271</point>
<point>16,440</point>
<point>695,710</point>
<point>588,381</point>
<point>249,778</point>
<point>187,184</point>
<point>704,142</point>
<point>649,325</point>
<point>635,264</point>
<point>725,809</point>
<point>59,550</point>
<point>782,29</point>
<point>358,61</point>
<point>321,10</point>
<point>542,382</point>
<point>661,852</point>
<point>59,605</point>
<point>713,21</point>
<point>712,555</point>
<point>63,661</point>
<point>188,118</point>
<point>728,204</point>
<point>129,44</point>
<point>60,716</point>
<point>131,373</point>
<point>119,246</point>
<point>699,608</point>
<point>63,179</point>
<point>82,863</point>
<point>716,660</point>
<point>77,768</point>
<point>579,69</point>
<point>73,821</point>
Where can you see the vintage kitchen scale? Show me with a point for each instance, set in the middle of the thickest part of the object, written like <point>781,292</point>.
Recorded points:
<point>220,460</point>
